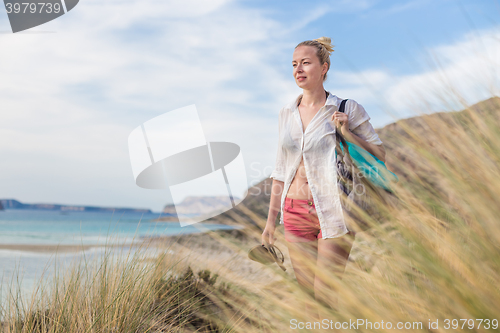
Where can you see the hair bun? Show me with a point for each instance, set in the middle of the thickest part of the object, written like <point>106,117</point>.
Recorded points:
<point>326,42</point>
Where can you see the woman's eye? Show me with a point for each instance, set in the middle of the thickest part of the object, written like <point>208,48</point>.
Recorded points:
<point>306,62</point>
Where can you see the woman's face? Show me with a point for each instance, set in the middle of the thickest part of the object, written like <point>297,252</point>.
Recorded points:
<point>307,70</point>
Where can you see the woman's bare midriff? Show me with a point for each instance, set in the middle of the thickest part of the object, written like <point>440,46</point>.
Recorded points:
<point>299,188</point>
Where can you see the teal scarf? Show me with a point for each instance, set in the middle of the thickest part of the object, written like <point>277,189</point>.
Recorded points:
<point>374,169</point>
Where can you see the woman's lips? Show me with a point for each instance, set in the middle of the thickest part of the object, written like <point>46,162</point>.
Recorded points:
<point>301,78</point>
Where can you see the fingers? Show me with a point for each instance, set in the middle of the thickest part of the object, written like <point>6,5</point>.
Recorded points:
<point>265,238</point>
<point>339,118</point>
<point>268,238</point>
<point>271,239</point>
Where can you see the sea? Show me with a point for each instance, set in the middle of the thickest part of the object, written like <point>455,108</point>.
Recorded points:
<point>24,269</point>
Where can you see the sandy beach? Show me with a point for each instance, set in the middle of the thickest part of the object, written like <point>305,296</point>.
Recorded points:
<point>47,248</point>
<point>221,252</point>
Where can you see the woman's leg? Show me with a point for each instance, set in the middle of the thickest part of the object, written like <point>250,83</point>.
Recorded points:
<point>303,256</point>
<point>333,254</point>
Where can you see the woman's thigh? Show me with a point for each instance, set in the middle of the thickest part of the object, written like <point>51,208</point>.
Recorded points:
<point>333,253</point>
<point>303,256</point>
<point>301,235</point>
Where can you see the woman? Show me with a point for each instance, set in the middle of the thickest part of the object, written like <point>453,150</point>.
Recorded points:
<point>305,187</point>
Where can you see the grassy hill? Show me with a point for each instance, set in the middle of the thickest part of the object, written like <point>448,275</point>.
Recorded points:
<point>405,142</point>
<point>426,130</point>
<point>436,259</point>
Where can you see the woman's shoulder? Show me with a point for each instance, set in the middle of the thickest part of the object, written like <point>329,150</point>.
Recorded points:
<point>292,102</point>
<point>334,100</point>
<point>356,113</point>
<point>288,107</point>
<point>284,111</point>
<point>353,105</point>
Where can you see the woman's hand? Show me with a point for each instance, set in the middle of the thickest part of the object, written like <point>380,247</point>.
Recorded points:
<point>341,121</point>
<point>268,234</point>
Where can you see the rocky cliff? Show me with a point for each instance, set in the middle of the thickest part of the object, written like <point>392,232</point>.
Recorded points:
<point>15,204</point>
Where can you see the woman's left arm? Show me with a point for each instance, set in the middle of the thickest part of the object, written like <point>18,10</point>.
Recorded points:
<point>342,123</point>
<point>376,150</point>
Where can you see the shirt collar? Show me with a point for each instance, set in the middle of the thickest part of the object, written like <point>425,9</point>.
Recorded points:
<point>331,100</point>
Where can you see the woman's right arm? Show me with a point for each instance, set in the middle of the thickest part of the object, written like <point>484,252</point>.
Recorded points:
<point>274,209</point>
<point>278,176</point>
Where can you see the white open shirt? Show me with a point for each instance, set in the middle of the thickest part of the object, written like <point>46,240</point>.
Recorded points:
<point>317,146</point>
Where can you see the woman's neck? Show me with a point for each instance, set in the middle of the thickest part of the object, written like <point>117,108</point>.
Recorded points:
<point>313,98</point>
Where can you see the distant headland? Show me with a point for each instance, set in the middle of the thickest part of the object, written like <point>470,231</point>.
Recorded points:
<point>15,204</point>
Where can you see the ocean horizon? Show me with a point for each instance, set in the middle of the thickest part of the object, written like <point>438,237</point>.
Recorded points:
<point>46,227</point>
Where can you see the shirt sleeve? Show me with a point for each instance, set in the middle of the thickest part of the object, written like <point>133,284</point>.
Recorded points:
<point>356,114</point>
<point>366,132</point>
<point>280,166</point>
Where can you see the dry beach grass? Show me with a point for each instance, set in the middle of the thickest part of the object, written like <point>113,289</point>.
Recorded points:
<point>436,257</point>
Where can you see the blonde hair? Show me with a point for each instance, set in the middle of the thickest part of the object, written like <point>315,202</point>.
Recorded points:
<point>324,49</point>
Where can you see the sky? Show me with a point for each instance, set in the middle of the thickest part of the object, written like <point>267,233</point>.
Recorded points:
<point>73,89</point>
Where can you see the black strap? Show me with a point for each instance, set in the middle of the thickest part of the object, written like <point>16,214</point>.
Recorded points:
<point>337,134</point>
<point>342,105</point>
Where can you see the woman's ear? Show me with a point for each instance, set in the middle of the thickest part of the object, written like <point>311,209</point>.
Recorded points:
<point>325,69</point>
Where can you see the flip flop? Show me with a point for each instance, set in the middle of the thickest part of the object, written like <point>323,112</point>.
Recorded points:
<point>267,255</point>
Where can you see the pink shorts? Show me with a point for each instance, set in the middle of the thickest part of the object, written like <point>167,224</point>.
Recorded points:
<point>300,221</point>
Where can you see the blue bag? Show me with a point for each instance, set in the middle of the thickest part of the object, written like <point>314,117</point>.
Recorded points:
<point>361,178</point>
<point>374,170</point>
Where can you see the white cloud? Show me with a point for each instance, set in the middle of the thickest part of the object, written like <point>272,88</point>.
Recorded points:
<point>69,99</point>
<point>73,96</point>
<point>466,70</point>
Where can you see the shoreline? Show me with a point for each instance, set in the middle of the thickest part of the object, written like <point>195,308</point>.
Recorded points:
<point>48,248</point>
<point>222,252</point>
<point>202,239</point>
